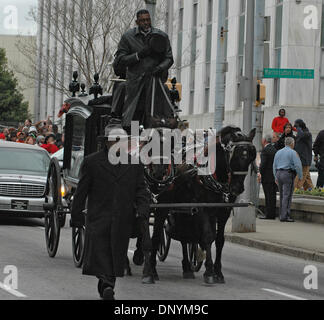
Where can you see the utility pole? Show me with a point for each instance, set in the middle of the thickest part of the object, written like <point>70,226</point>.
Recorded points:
<point>150,6</point>
<point>244,219</point>
<point>257,113</point>
<point>220,67</point>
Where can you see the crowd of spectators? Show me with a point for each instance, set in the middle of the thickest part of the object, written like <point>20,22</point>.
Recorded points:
<point>44,133</point>
<point>304,147</point>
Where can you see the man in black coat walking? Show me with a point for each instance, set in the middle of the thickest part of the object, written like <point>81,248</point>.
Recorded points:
<point>112,191</point>
<point>318,149</point>
<point>146,53</point>
<point>267,178</point>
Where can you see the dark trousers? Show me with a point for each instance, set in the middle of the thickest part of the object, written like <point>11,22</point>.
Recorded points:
<point>107,281</point>
<point>270,190</point>
<point>286,188</point>
<point>320,179</point>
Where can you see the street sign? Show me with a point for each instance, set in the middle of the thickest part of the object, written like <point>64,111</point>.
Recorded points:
<point>288,73</point>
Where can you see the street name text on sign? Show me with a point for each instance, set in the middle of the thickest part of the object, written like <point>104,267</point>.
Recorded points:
<point>288,73</point>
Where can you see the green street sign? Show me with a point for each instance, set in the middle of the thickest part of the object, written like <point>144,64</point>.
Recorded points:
<point>288,73</point>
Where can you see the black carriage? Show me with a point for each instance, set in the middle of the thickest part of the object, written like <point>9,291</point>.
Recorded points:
<point>86,119</point>
<point>85,123</point>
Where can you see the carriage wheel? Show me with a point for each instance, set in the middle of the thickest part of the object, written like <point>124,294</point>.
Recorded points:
<point>52,216</point>
<point>78,246</point>
<point>164,245</point>
<point>192,251</point>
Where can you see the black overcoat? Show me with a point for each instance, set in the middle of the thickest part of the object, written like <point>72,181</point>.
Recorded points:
<point>112,192</point>
<point>266,165</point>
<point>138,76</point>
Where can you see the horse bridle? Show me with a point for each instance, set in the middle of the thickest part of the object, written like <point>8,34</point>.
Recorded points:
<point>230,149</point>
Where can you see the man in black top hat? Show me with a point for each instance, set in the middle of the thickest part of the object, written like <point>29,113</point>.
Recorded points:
<point>146,53</point>
<point>112,190</point>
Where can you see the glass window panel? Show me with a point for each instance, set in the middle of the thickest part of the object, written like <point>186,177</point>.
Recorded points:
<point>278,26</point>
<point>195,15</point>
<point>243,6</point>
<point>276,91</point>
<point>242,35</point>
<point>191,104</point>
<point>322,63</point>
<point>277,58</point>
<point>322,92</point>
<point>207,78</point>
<point>206,106</point>
<point>210,11</point>
<point>208,42</point>
<point>322,34</point>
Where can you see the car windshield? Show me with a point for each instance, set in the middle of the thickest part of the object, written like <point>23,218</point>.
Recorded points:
<point>23,160</point>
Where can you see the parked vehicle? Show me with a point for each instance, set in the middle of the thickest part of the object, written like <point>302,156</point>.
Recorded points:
<point>23,175</point>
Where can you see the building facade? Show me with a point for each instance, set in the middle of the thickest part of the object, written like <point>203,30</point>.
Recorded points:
<point>296,41</point>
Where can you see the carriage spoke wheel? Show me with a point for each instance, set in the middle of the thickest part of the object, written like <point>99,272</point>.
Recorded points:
<point>164,245</point>
<point>52,216</point>
<point>192,251</point>
<point>78,245</point>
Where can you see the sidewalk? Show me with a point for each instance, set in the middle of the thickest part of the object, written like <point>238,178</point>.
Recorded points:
<point>298,239</point>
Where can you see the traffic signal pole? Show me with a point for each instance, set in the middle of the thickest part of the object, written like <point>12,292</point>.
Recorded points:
<point>220,67</point>
<point>257,113</point>
<point>244,219</point>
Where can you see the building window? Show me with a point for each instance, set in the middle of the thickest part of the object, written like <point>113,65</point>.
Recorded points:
<point>209,32</point>
<point>321,98</point>
<point>278,43</point>
<point>193,55</point>
<point>179,42</point>
<point>241,37</point>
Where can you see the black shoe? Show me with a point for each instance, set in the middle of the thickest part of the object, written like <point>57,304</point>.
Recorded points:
<point>267,218</point>
<point>108,294</point>
<point>287,220</point>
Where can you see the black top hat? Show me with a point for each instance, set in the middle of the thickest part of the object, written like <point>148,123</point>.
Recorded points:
<point>158,43</point>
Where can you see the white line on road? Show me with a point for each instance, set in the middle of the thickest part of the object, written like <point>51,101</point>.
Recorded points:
<point>284,294</point>
<point>12,291</point>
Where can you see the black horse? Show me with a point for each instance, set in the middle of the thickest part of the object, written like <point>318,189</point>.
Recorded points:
<point>235,152</point>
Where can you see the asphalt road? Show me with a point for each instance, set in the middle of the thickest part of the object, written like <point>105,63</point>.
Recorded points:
<point>249,273</point>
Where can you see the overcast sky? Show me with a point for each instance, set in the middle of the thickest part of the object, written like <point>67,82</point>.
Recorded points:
<point>14,18</point>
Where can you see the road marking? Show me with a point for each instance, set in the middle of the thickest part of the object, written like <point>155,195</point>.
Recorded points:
<point>284,294</point>
<point>42,228</point>
<point>12,291</point>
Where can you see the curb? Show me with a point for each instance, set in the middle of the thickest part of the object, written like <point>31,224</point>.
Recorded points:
<point>276,248</point>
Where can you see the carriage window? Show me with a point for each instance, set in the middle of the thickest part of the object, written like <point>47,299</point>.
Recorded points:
<point>78,140</point>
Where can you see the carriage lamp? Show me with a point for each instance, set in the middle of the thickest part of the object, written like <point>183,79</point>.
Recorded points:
<point>63,190</point>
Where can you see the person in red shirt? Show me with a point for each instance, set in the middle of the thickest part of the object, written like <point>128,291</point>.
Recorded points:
<point>49,144</point>
<point>278,123</point>
<point>2,135</point>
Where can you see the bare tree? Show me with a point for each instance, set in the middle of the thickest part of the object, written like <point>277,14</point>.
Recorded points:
<point>87,32</point>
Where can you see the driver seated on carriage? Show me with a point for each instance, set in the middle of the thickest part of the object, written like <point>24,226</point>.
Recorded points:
<point>143,57</point>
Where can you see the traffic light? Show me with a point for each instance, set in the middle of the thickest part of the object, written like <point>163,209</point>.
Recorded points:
<point>260,94</point>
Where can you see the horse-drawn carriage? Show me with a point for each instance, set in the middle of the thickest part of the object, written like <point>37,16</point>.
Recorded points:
<point>85,123</point>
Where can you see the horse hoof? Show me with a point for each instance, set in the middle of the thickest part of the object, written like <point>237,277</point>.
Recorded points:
<point>188,275</point>
<point>138,258</point>
<point>219,279</point>
<point>148,280</point>
<point>156,277</point>
<point>209,279</point>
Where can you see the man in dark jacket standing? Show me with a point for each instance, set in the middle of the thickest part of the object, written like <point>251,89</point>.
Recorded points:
<point>146,53</point>
<point>304,143</point>
<point>318,149</point>
<point>112,192</point>
<point>267,178</point>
